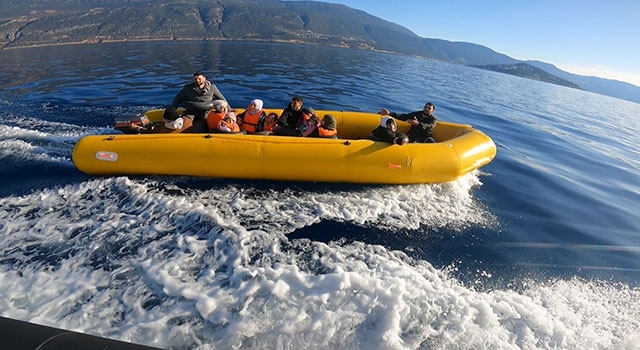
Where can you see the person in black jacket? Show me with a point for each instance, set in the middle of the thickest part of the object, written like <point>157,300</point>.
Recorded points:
<point>386,132</point>
<point>422,123</point>
<point>290,118</point>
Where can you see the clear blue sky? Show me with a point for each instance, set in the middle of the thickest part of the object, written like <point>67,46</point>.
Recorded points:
<point>587,37</point>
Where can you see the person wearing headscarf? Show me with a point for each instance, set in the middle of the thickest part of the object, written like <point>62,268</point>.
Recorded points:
<point>386,132</point>
<point>252,119</point>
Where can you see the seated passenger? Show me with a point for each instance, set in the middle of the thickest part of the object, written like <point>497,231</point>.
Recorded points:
<point>290,118</point>
<point>308,124</point>
<point>269,122</point>
<point>172,122</point>
<point>228,124</point>
<point>328,127</point>
<point>198,97</point>
<point>252,119</point>
<point>220,118</point>
<point>422,123</point>
<point>386,132</point>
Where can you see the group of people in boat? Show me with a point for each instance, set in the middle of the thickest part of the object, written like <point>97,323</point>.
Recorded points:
<point>207,110</point>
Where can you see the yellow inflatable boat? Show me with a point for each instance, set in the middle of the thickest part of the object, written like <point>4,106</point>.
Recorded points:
<point>351,159</point>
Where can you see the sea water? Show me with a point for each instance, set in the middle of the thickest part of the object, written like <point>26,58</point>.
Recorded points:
<point>538,249</point>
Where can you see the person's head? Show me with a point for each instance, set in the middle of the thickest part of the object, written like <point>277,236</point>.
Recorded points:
<point>307,113</point>
<point>199,79</point>
<point>428,108</point>
<point>329,122</point>
<point>389,123</point>
<point>230,117</point>
<point>255,106</point>
<point>271,117</point>
<point>296,103</point>
<point>171,113</point>
<point>221,106</point>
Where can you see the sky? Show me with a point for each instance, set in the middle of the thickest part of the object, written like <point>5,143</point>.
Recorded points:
<point>587,37</point>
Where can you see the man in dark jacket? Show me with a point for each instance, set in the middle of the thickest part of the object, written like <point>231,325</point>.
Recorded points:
<point>290,118</point>
<point>422,123</point>
<point>198,97</point>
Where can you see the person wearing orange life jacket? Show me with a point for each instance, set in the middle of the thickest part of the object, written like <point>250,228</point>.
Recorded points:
<point>328,127</point>
<point>252,119</point>
<point>270,122</point>
<point>228,124</point>
<point>308,125</point>
<point>215,116</point>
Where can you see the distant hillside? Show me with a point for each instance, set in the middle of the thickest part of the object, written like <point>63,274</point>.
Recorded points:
<point>62,21</point>
<point>49,22</point>
<point>528,71</point>
<point>608,87</point>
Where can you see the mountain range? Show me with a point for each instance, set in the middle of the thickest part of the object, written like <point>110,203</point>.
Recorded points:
<point>50,22</point>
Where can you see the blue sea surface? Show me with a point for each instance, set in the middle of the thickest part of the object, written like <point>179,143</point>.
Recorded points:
<point>538,249</point>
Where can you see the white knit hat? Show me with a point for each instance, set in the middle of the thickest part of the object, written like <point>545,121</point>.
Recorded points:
<point>385,120</point>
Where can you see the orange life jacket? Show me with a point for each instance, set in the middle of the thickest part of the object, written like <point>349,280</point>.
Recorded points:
<point>233,126</point>
<point>268,126</point>
<point>322,132</point>
<point>250,122</point>
<point>214,119</point>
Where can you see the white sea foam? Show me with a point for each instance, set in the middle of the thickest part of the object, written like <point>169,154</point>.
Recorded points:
<point>163,265</point>
<point>36,140</point>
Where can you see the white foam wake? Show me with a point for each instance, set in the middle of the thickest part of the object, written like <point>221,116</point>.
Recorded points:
<point>164,265</point>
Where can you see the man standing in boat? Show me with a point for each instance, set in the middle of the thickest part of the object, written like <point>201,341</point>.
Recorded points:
<point>422,123</point>
<point>198,97</point>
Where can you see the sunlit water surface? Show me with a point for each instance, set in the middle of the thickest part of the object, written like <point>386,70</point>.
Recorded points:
<point>539,249</point>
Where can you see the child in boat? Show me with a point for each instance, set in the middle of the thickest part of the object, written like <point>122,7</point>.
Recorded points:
<point>175,123</point>
<point>328,127</point>
<point>422,123</point>
<point>386,132</point>
<point>222,119</point>
<point>172,122</point>
<point>308,124</point>
<point>228,124</point>
<point>270,122</point>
